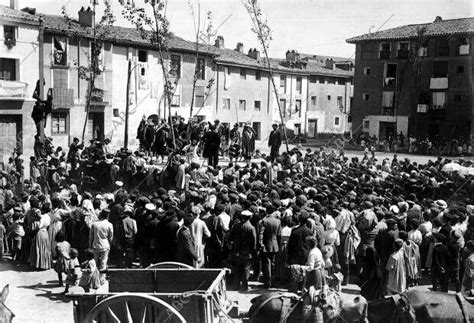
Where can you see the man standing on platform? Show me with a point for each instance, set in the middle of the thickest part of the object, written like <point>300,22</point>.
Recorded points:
<point>274,142</point>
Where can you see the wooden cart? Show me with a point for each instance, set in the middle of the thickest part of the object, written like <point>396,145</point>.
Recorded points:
<point>158,295</point>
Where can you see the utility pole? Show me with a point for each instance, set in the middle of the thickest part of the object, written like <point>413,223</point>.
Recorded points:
<point>127,104</point>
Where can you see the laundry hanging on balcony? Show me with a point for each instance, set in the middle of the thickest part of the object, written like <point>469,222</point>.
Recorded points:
<point>439,100</point>
<point>13,89</point>
<point>143,83</point>
<point>387,99</point>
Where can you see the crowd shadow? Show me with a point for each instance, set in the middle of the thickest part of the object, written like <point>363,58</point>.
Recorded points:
<point>46,290</point>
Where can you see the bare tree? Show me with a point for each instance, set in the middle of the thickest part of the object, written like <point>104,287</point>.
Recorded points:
<point>94,65</point>
<point>264,35</point>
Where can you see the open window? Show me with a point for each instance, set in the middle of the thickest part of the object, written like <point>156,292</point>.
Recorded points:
<point>9,36</point>
<point>175,66</point>
<point>59,51</point>
<point>440,69</point>
<point>385,49</point>
<point>201,69</point>
<point>463,46</point>
<point>390,75</point>
<point>403,50</point>
<point>199,96</point>
<point>442,47</point>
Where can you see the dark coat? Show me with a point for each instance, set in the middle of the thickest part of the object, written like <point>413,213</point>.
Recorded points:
<point>185,251</point>
<point>275,139</point>
<point>298,245</point>
<point>270,234</point>
<point>167,239</point>
<point>244,239</point>
<point>212,142</point>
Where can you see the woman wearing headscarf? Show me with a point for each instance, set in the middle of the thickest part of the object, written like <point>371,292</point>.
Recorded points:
<point>40,253</point>
<point>371,282</point>
<point>248,143</point>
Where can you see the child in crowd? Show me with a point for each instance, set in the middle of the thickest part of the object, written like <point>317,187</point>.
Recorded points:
<point>63,249</point>
<point>90,278</point>
<point>17,234</point>
<point>72,270</point>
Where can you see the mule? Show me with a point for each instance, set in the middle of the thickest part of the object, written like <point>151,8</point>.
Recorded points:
<point>6,315</point>
<point>433,307</point>
<point>314,306</point>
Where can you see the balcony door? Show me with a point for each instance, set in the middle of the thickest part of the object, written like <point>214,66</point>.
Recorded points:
<point>10,136</point>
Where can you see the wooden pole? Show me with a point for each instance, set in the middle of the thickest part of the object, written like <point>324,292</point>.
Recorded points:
<point>127,104</point>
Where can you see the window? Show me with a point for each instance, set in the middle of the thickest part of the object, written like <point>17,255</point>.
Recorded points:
<point>366,70</point>
<point>116,113</point>
<point>175,66</point>
<point>403,50</point>
<point>60,51</point>
<point>258,75</point>
<point>384,51</point>
<point>283,83</point>
<point>298,107</point>
<point>365,96</point>
<point>366,124</point>
<point>257,105</point>
<point>257,127</point>
<point>242,105</point>
<point>337,121</point>
<point>340,104</point>
<point>7,69</point>
<point>313,100</point>
<point>199,96</point>
<point>142,56</point>
<point>243,73</point>
<point>330,80</point>
<point>299,85</point>
<point>329,98</point>
<point>388,98</point>
<point>283,106</point>
<point>440,68</point>
<point>461,98</point>
<point>463,46</point>
<point>58,123</point>
<point>97,56</point>
<point>226,104</point>
<point>460,69</point>
<point>442,47</point>
<point>297,129</point>
<point>176,100</point>
<point>390,75</point>
<point>313,79</point>
<point>201,69</point>
<point>423,50</point>
<point>9,36</point>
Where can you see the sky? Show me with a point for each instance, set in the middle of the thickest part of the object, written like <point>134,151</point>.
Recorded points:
<point>307,26</point>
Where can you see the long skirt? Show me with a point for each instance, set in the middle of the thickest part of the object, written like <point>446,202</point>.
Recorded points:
<point>53,229</point>
<point>40,253</point>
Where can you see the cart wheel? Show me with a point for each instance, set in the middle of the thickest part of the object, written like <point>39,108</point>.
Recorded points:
<point>129,307</point>
<point>169,264</point>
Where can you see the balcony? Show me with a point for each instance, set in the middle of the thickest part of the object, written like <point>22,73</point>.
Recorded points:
<point>403,54</point>
<point>384,54</point>
<point>438,83</point>
<point>15,90</point>
<point>62,98</point>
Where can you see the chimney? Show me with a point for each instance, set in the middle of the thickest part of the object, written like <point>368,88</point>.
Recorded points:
<point>219,43</point>
<point>240,47</point>
<point>86,17</point>
<point>438,19</point>
<point>330,64</point>
<point>292,56</point>
<point>14,4</point>
<point>254,53</point>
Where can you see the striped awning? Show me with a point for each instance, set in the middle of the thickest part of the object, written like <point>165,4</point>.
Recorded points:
<point>62,98</point>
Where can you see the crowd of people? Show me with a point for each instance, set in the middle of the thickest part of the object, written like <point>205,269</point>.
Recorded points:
<point>293,219</point>
<point>415,145</point>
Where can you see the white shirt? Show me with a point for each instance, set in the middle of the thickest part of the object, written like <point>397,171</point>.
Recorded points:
<point>315,259</point>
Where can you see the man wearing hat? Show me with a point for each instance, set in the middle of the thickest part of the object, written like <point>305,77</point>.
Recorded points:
<point>274,142</point>
<point>269,242</point>
<point>73,154</point>
<point>244,239</point>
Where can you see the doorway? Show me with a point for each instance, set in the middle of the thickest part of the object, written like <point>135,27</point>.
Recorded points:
<point>387,129</point>
<point>95,126</point>
<point>312,128</point>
